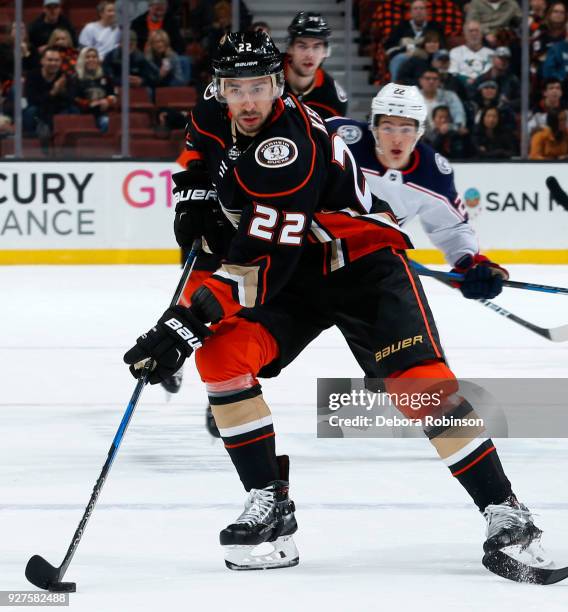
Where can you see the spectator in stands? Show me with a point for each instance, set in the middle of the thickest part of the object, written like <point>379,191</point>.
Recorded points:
<point>508,83</point>
<point>93,91</point>
<point>551,101</point>
<point>551,31</point>
<point>552,141</point>
<point>434,96</point>
<point>491,139</point>
<point>220,25</point>
<point>30,61</point>
<point>47,94</point>
<point>40,30</point>
<point>471,59</point>
<point>202,16</point>
<point>157,17</point>
<point>142,72</point>
<point>448,81</point>
<point>104,34</point>
<point>556,62</point>
<point>61,40</point>
<point>261,26</point>
<point>537,13</point>
<point>408,34</point>
<point>494,17</point>
<point>487,96</point>
<point>30,57</point>
<point>165,59</point>
<point>444,137</point>
<point>421,58</point>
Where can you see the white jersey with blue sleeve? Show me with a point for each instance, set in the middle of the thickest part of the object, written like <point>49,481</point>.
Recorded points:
<point>425,189</point>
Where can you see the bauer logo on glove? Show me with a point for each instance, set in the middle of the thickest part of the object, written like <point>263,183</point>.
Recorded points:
<point>184,332</point>
<point>194,195</point>
<point>176,335</point>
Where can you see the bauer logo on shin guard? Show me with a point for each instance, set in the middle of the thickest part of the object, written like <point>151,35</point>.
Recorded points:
<point>184,333</point>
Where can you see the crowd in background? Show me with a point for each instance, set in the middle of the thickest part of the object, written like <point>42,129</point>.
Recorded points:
<point>464,56</point>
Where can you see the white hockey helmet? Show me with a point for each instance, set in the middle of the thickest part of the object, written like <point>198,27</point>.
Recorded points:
<point>400,101</point>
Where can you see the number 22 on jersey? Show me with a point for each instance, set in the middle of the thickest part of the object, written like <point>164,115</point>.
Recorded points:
<point>264,222</point>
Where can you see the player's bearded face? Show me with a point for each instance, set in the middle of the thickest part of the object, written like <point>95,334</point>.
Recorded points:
<point>250,101</point>
<point>395,137</point>
<point>306,55</point>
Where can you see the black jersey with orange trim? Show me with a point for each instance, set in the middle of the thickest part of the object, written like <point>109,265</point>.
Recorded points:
<point>325,96</point>
<point>292,192</point>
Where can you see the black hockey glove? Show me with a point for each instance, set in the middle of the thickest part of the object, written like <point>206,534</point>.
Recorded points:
<point>198,213</point>
<point>176,335</point>
<point>483,279</point>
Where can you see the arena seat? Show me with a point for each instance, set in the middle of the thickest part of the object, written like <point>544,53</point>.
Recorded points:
<point>176,98</point>
<point>139,99</point>
<point>66,125</point>
<point>95,147</point>
<point>135,120</point>
<point>150,148</point>
<point>31,148</point>
<point>79,16</point>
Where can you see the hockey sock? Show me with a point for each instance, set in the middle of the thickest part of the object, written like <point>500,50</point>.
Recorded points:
<point>471,458</point>
<point>245,425</point>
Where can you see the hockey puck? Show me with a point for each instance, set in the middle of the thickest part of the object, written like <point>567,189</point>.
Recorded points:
<point>62,587</point>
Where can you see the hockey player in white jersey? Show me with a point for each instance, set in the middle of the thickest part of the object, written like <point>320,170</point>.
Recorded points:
<point>417,181</point>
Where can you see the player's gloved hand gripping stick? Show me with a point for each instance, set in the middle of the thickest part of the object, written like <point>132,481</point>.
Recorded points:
<point>555,334</point>
<point>38,571</point>
<point>458,278</point>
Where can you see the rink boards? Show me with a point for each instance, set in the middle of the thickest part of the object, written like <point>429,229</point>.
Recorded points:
<point>122,212</point>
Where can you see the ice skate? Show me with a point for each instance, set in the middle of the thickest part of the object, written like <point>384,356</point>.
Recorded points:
<point>513,549</point>
<point>261,538</point>
<point>172,384</point>
<point>210,424</point>
<point>510,528</point>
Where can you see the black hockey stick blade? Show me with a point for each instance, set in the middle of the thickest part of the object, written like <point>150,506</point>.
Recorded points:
<point>558,194</point>
<point>501,564</point>
<point>43,575</point>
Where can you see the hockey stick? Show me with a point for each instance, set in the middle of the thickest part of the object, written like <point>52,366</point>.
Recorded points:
<point>555,334</point>
<point>38,571</point>
<point>505,566</point>
<point>452,276</point>
<point>558,194</point>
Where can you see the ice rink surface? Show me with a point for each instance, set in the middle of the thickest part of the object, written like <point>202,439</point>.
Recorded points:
<point>382,523</point>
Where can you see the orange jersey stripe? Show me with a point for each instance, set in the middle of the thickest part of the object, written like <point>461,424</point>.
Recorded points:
<point>186,156</point>
<point>207,133</point>
<point>421,306</point>
<point>303,183</point>
<point>329,109</point>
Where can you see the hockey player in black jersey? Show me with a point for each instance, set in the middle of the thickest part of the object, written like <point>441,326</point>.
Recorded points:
<point>308,46</point>
<point>311,248</point>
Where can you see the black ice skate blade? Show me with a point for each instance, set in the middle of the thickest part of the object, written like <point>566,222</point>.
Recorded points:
<point>252,568</point>
<point>501,564</point>
<point>44,576</point>
<point>62,587</point>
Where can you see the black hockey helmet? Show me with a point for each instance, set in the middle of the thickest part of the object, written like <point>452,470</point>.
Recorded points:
<point>244,55</point>
<point>309,25</point>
